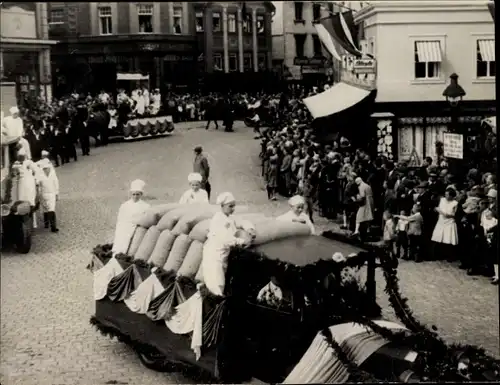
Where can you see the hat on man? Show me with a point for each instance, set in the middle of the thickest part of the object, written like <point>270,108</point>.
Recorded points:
<point>194,177</point>
<point>137,186</point>
<point>296,200</point>
<point>225,198</point>
<point>198,149</point>
<point>14,110</point>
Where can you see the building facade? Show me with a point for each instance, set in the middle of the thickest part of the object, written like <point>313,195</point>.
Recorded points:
<point>173,42</point>
<point>418,45</point>
<point>25,70</point>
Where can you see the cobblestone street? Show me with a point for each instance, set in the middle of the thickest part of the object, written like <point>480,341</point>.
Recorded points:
<point>46,296</point>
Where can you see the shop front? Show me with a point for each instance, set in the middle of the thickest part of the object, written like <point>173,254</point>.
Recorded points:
<point>92,64</point>
<point>24,58</point>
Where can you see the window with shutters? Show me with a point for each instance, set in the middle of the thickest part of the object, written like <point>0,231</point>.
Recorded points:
<point>178,18</point>
<point>231,22</point>
<point>105,21</point>
<point>427,60</point>
<point>485,58</point>
<point>199,22</point>
<point>56,16</point>
<point>300,40</point>
<point>145,15</point>
<point>299,12</point>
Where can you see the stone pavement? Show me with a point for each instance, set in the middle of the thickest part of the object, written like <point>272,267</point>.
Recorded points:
<point>46,296</point>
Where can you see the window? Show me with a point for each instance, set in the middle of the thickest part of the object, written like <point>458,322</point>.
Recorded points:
<point>145,13</point>
<point>233,62</point>
<point>216,22</point>
<point>260,24</point>
<point>231,22</point>
<point>105,21</point>
<point>427,59</point>
<point>56,16</point>
<point>261,61</point>
<point>317,47</point>
<point>217,62</point>
<point>247,62</point>
<point>299,8</point>
<point>372,48</point>
<point>486,65</point>
<point>300,40</point>
<point>247,24</point>
<point>316,12</point>
<point>177,20</point>
<point>199,22</point>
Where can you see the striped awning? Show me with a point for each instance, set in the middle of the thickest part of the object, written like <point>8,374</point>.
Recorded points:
<point>487,49</point>
<point>429,51</point>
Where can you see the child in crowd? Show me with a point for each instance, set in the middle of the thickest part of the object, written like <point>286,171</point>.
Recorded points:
<point>414,224</point>
<point>402,235</point>
<point>389,235</point>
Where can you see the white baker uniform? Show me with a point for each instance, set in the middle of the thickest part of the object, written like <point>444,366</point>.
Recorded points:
<point>124,224</point>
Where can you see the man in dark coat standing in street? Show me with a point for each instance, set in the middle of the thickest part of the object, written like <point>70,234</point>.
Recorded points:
<point>80,127</point>
<point>202,167</point>
<point>211,113</point>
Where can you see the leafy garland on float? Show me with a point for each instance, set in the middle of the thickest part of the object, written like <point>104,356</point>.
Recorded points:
<point>436,360</point>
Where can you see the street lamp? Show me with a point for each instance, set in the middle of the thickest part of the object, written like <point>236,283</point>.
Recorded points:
<point>454,94</point>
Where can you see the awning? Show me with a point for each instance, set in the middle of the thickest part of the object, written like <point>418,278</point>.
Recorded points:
<point>338,98</point>
<point>487,49</point>
<point>429,51</point>
<point>121,76</point>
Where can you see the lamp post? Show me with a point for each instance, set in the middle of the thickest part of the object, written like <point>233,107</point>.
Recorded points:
<point>454,94</point>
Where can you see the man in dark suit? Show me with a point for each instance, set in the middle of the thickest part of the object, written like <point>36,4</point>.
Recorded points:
<point>80,127</point>
<point>201,166</point>
<point>427,205</point>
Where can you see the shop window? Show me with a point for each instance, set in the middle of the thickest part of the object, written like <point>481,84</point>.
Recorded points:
<point>233,62</point>
<point>317,47</point>
<point>299,10</point>
<point>427,60</point>
<point>105,21</point>
<point>218,62</point>
<point>261,26</point>
<point>216,22</point>
<point>231,22</point>
<point>178,20</point>
<point>485,58</point>
<point>247,62</point>
<point>199,22</point>
<point>145,14</point>
<point>56,16</point>
<point>316,12</point>
<point>300,40</point>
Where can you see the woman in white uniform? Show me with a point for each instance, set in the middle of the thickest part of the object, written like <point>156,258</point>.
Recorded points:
<point>223,233</point>
<point>129,210</point>
<point>297,213</point>
<point>195,194</point>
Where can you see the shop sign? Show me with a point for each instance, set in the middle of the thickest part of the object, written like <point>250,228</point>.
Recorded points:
<point>453,145</point>
<point>175,58</point>
<point>18,23</point>
<point>364,66</point>
<point>309,61</point>
<point>312,70</point>
<point>150,47</point>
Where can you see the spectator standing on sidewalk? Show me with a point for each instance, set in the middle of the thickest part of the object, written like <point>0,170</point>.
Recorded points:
<point>202,167</point>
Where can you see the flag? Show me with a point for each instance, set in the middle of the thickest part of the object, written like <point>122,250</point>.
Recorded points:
<point>491,7</point>
<point>338,27</point>
<point>325,35</point>
<point>349,25</point>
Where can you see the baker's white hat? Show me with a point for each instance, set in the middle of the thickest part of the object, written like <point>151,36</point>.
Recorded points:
<point>21,151</point>
<point>225,198</point>
<point>296,200</point>
<point>137,186</point>
<point>45,153</point>
<point>492,193</point>
<point>194,177</point>
<point>14,110</point>
<point>44,163</point>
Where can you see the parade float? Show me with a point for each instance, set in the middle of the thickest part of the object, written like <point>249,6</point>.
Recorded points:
<point>297,308</point>
<point>140,128</point>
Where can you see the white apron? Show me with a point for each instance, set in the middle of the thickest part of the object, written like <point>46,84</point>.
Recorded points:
<point>125,226</point>
<point>26,190</point>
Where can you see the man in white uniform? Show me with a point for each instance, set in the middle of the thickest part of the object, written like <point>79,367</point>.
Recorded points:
<point>297,213</point>
<point>195,194</point>
<point>125,227</point>
<point>13,126</point>
<point>49,191</point>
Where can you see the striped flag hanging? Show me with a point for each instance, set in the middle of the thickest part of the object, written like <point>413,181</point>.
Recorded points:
<point>342,33</point>
<point>326,38</point>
